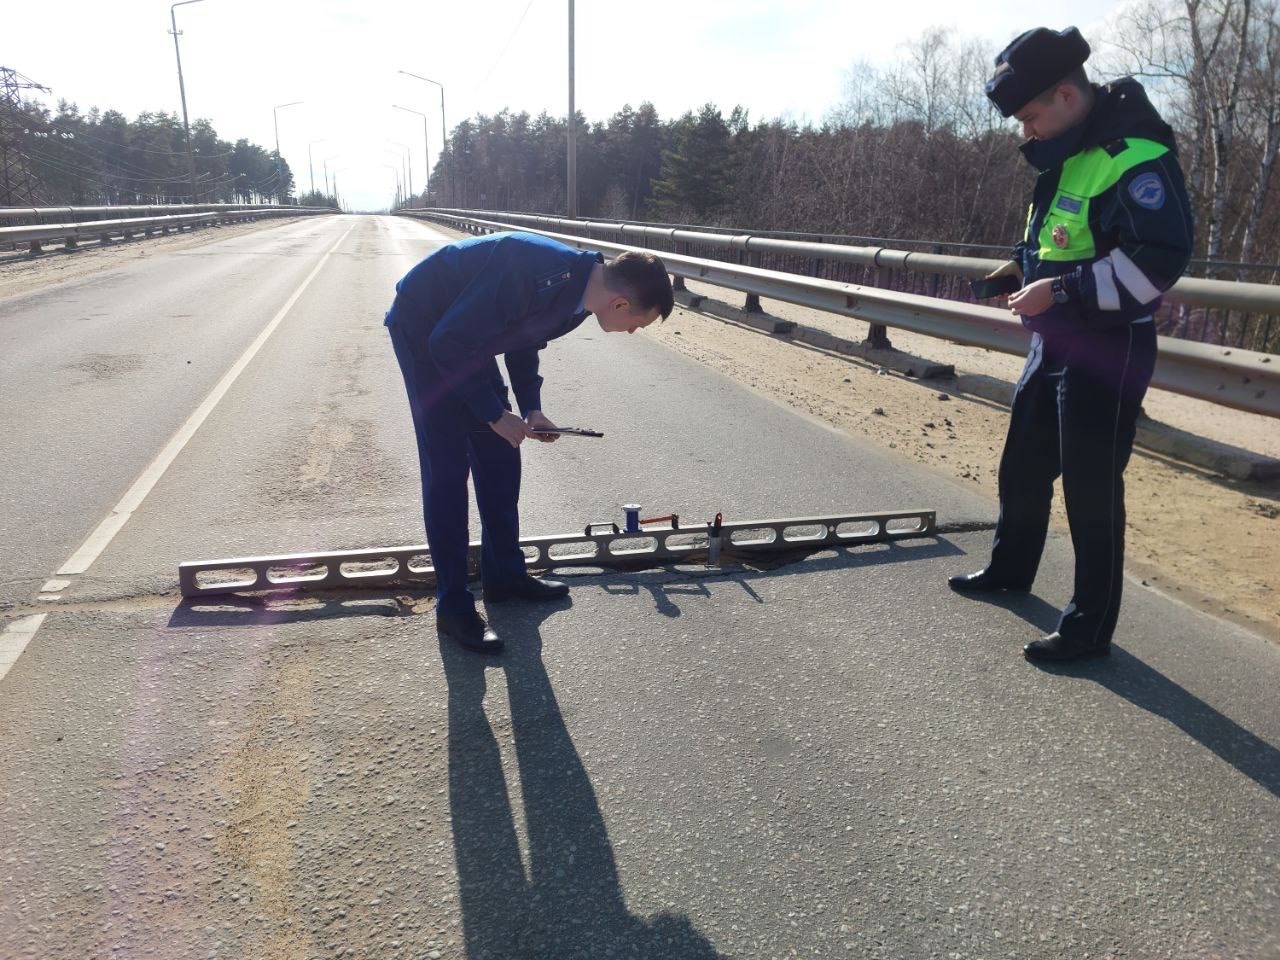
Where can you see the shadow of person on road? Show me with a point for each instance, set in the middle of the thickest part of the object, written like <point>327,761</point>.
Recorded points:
<point>569,904</point>
<point>1142,685</point>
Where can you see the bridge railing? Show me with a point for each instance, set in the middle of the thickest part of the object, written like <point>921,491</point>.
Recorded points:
<point>1224,312</point>
<point>1243,379</point>
<point>36,225</point>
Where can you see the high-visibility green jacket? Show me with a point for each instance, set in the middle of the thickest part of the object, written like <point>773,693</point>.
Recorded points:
<point>1109,213</point>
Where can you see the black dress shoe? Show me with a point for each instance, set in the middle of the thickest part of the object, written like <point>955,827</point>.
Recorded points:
<point>526,588</point>
<point>984,582</point>
<point>1058,649</point>
<point>468,630</point>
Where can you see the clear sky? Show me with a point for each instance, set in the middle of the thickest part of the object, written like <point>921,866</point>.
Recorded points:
<point>240,58</point>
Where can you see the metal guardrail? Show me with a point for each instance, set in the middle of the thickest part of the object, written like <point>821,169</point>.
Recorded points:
<point>152,219</point>
<point>898,243</point>
<point>1242,379</point>
<point>1225,294</point>
<point>319,571</point>
<point>40,214</point>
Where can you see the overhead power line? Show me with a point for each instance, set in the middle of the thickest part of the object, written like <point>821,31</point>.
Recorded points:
<point>505,46</point>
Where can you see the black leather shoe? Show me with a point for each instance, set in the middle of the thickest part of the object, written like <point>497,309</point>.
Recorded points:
<point>984,582</point>
<point>468,630</point>
<point>1058,649</point>
<point>526,588</point>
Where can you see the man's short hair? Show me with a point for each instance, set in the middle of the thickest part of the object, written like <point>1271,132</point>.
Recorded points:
<point>1077,78</point>
<point>642,278</point>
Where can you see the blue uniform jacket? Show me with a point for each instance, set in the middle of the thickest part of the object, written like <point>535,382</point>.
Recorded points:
<point>505,293</point>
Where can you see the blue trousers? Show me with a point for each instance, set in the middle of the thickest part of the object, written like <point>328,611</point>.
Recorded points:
<point>452,445</point>
<point>1074,415</point>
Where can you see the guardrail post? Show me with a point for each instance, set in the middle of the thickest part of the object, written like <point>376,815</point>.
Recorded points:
<point>682,248</point>
<point>105,239</point>
<point>753,299</point>
<point>34,247</point>
<point>71,243</point>
<point>877,333</point>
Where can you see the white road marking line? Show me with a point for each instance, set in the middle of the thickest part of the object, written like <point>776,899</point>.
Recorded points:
<point>15,639</point>
<point>92,548</point>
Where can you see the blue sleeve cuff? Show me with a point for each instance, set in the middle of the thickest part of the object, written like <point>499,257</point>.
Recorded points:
<point>526,383</point>
<point>485,406</point>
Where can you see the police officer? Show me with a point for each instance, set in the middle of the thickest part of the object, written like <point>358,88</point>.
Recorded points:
<point>453,314</point>
<point>1109,230</point>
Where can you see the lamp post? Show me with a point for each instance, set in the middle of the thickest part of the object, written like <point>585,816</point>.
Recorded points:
<point>275,112</point>
<point>406,158</point>
<point>311,167</point>
<point>399,194</point>
<point>182,91</point>
<point>444,136</point>
<point>326,160</point>
<point>572,160</point>
<point>426,154</point>
<point>335,185</point>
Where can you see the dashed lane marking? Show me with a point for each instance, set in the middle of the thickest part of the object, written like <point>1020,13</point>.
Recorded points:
<point>15,638</point>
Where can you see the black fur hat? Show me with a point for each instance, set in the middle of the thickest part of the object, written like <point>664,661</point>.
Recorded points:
<point>1032,64</point>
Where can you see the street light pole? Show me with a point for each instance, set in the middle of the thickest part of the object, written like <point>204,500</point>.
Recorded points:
<point>311,167</point>
<point>275,113</point>
<point>426,152</point>
<point>182,91</point>
<point>444,135</point>
<point>335,186</point>
<point>572,161</point>
<point>327,191</point>
<point>406,158</point>
<point>398,190</point>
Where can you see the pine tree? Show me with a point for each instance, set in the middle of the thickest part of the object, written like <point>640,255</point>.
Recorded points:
<point>695,181</point>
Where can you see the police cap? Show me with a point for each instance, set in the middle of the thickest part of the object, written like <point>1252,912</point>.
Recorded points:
<point>1032,64</point>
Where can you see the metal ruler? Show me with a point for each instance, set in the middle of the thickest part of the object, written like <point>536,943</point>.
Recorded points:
<point>599,545</point>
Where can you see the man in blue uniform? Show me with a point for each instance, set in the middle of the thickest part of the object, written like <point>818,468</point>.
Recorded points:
<point>453,314</point>
<point>1109,231</point>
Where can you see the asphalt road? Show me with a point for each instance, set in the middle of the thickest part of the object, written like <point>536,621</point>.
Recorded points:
<point>837,757</point>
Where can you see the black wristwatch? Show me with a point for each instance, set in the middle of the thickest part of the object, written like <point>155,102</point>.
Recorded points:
<point>1059,289</point>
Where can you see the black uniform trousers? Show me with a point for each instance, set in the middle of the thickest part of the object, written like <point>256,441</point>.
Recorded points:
<point>1074,415</point>
<point>452,445</point>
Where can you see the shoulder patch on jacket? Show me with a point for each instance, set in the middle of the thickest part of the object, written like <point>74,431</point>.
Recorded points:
<point>1148,191</point>
<point>1115,147</point>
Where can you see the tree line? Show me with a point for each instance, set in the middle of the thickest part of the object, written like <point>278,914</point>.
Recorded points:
<point>912,151</point>
<point>102,157</point>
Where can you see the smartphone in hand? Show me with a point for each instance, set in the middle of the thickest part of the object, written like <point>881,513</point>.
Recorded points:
<point>988,287</point>
<point>568,432</point>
